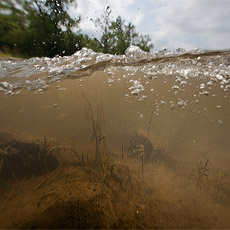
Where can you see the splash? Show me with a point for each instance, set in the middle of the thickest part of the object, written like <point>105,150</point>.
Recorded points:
<point>39,73</point>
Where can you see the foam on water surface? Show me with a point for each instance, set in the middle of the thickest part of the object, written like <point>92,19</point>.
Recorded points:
<point>37,73</point>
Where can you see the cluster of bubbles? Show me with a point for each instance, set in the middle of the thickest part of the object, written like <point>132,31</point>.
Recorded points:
<point>39,73</point>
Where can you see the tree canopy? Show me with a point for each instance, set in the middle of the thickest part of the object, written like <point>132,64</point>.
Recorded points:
<point>118,36</point>
<point>45,28</point>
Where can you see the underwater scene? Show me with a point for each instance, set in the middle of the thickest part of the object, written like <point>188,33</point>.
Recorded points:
<point>94,140</point>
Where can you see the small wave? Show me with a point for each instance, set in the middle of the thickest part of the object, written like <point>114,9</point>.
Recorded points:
<point>39,73</point>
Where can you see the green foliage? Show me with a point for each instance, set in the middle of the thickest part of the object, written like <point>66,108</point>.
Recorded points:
<point>44,28</point>
<point>38,28</point>
<point>12,26</point>
<point>49,28</point>
<point>117,36</point>
<point>90,43</point>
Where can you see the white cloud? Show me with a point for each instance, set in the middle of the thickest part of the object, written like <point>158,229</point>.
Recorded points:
<point>170,23</point>
<point>138,19</point>
<point>202,24</point>
<point>90,10</point>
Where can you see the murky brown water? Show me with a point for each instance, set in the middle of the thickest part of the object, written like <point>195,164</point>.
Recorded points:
<point>181,104</point>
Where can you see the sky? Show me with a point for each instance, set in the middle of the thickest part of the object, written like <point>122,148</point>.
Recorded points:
<point>188,24</point>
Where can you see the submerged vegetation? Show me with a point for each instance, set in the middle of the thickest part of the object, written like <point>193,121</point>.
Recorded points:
<point>58,187</point>
<point>120,177</point>
<point>45,28</point>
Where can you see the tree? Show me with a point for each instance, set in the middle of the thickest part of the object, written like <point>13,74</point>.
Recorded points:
<point>50,27</point>
<point>117,36</point>
<point>45,28</point>
<point>38,27</point>
<point>12,26</point>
